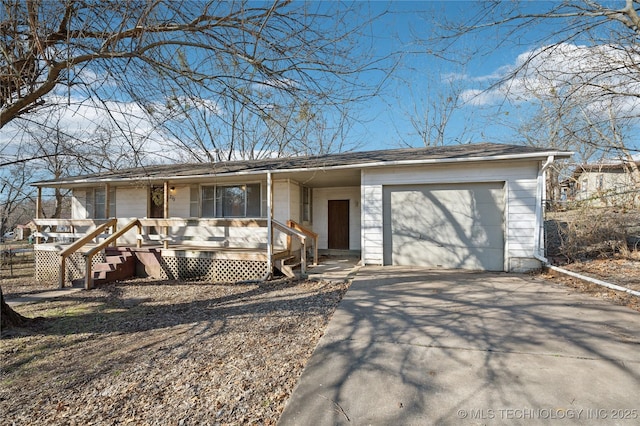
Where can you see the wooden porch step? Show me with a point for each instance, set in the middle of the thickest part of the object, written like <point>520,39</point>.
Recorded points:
<point>286,269</point>
<point>119,264</point>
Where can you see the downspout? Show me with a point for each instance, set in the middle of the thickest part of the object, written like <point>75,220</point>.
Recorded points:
<point>269,270</point>
<point>38,207</point>
<point>539,249</point>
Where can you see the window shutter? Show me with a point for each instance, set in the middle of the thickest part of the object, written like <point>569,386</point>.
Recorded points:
<point>194,202</point>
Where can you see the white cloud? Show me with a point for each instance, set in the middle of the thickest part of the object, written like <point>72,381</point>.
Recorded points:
<point>594,75</point>
<point>477,97</point>
<point>80,120</point>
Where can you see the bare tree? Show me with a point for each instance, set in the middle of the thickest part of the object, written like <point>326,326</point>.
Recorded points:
<point>179,59</point>
<point>576,86</point>
<point>433,103</point>
<point>587,61</point>
<point>14,191</point>
<point>246,62</point>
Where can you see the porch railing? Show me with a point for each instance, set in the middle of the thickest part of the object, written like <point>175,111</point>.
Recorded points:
<point>303,240</point>
<point>88,257</point>
<point>309,233</point>
<point>65,229</point>
<point>81,242</point>
<point>159,230</point>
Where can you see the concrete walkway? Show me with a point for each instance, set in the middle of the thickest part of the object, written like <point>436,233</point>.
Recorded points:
<point>413,346</point>
<point>334,269</point>
<point>38,297</point>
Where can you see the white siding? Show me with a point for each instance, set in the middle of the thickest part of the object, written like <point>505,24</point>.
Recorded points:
<point>520,204</point>
<point>180,201</point>
<point>281,209</point>
<point>294,201</point>
<point>78,204</point>
<point>321,197</point>
<point>131,202</point>
<point>372,219</point>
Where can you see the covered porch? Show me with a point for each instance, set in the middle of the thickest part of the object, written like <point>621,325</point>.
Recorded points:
<point>161,251</point>
<point>166,223</point>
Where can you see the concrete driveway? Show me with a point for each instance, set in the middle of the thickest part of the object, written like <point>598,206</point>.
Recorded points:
<point>415,346</point>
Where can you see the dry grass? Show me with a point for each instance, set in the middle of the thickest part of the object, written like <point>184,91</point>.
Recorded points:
<point>591,233</point>
<point>149,352</point>
<point>162,353</point>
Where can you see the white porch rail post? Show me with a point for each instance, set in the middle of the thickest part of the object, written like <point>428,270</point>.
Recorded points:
<point>269,227</point>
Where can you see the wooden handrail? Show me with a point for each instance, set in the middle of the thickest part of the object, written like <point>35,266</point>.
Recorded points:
<point>113,237</point>
<point>288,230</point>
<point>295,225</point>
<point>78,245</point>
<point>303,239</point>
<point>88,278</point>
<point>88,237</point>
<point>308,232</point>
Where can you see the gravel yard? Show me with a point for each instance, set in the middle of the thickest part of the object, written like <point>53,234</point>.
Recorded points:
<point>621,271</point>
<point>162,353</point>
<point>184,353</point>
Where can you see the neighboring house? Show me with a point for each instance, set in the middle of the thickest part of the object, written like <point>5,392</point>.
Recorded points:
<point>24,231</point>
<point>466,206</point>
<point>601,183</point>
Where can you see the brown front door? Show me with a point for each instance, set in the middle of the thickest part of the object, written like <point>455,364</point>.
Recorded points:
<point>339,224</point>
<point>156,206</point>
<point>156,202</point>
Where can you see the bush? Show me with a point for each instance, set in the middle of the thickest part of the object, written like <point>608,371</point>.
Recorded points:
<point>590,233</point>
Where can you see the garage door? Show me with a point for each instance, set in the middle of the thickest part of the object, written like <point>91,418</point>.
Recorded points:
<point>445,226</point>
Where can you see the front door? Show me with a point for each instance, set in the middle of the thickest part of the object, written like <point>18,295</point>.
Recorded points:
<point>156,202</point>
<point>338,225</point>
<point>156,206</point>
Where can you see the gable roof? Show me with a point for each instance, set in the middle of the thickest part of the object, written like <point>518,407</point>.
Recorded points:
<point>358,159</point>
<point>619,166</point>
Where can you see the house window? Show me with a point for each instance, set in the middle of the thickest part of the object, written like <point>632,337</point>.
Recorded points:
<point>585,185</point>
<point>231,201</point>
<point>99,203</point>
<point>96,203</point>
<point>194,204</point>
<point>208,201</point>
<point>600,182</point>
<point>307,200</point>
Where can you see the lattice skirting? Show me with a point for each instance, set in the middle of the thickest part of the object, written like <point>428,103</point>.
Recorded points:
<point>48,265</point>
<point>212,270</point>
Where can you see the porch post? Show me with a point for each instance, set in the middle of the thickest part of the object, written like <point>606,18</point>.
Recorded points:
<point>269,227</point>
<point>107,200</point>
<point>38,207</point>
<point>166,213</point>
<point>107,210</point>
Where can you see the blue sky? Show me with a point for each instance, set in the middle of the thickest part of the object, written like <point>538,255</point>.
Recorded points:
<point>490,117</point>
<point>420,74</point>
<point>422,80</point>
<point>427,76</point>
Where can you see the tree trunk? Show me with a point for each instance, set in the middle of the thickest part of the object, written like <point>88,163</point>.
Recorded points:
<point>11,318</point>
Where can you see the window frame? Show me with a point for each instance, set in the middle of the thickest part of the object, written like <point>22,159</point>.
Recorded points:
<point>95,209</point>
<point>216,209</point>
<point>306,204</point>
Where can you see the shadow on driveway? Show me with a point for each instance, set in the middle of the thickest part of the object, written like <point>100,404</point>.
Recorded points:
<point>417,346</point>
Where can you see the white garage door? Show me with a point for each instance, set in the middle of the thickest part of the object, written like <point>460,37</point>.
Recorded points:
<point>445,226</point>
